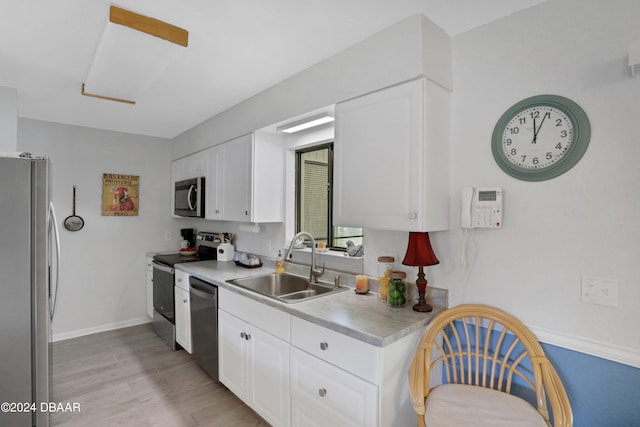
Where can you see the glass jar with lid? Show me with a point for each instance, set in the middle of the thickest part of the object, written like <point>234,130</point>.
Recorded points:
<point>385,267</point>
<point>397,292</point>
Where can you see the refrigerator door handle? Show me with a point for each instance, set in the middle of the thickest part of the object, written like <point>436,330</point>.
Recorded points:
<point>53,298</point>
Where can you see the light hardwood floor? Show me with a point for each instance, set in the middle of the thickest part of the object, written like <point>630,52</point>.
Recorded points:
<point>129,377</point>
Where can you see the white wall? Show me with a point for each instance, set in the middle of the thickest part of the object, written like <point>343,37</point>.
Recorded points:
<point>8,119</point>
<point>581,223</point>
<point>103,265</point>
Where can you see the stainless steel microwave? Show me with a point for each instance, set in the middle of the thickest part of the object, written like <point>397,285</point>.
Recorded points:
<point>189,198</point>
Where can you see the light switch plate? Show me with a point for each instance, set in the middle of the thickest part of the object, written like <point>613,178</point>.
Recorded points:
<point>600,290</point>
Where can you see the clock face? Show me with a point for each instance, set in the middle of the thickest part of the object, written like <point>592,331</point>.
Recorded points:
<point>540,137</point>
<point>537,137</point>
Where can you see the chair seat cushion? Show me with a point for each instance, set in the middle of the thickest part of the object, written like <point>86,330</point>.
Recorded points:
<point>455,405</point>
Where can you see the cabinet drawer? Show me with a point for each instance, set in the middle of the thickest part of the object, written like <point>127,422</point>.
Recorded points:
<point>345,398</point>
<point>267,318</point>
<point>355,356</point>
<point>181,280</point>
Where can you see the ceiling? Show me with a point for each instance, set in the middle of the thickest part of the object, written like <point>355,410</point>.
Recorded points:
<point>236,50</point>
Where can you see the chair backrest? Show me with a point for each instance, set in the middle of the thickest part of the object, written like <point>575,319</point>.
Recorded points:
<point>487,347</point>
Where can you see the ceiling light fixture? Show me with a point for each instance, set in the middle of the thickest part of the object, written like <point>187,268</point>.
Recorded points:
<point>306,123</point>
<point>132,51</point>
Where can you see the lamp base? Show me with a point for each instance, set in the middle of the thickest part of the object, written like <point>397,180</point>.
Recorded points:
<point>422,307</point>
<point>421,283</point>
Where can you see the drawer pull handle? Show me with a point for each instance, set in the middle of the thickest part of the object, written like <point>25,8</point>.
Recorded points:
<point>324,346</point>
<point>322,392</point>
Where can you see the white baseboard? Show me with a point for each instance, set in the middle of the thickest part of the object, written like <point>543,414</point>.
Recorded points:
<point>600,349</point>
<point>102,328</point>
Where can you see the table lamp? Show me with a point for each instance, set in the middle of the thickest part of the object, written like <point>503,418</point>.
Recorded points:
<point>420,254</point>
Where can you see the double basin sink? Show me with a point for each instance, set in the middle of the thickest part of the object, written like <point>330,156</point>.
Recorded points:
<point>286,287</point>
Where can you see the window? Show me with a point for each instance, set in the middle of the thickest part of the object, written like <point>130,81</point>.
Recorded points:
<point>314,196</point>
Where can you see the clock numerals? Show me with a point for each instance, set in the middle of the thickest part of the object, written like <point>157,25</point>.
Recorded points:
<point>529,142</point>
<point>540,137</point>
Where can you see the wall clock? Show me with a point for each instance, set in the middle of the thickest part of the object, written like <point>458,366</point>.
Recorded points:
<point>540,137</point>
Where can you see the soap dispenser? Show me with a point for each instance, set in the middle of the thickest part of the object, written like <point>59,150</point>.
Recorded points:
<point>279,263</point>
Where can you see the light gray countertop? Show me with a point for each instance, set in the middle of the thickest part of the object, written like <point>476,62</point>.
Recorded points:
<point>361,317</point>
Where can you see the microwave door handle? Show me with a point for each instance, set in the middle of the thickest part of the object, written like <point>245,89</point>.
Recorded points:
<point>191,190</point>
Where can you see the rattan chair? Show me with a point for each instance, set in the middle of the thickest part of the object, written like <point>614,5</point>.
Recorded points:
<point>472,362</point>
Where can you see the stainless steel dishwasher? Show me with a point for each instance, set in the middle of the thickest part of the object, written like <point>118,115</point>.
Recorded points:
<point>204,325</point>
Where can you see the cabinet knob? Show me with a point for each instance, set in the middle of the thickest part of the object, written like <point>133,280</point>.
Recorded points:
<point>324,346</point>
<point>242,335</point>
<point>247,337</point>
<point>322,392</point>
<point>413,215</point>
<point>217,210</point>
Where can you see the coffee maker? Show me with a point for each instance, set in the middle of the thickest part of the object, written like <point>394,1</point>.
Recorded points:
<point>189,236</point>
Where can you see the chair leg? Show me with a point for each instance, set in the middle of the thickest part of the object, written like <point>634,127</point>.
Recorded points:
<point>421,421</point>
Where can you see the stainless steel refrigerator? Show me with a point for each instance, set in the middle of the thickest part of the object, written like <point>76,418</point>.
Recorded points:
<point>29,263</point>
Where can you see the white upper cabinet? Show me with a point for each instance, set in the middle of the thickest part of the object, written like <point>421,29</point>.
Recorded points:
<point>391,169</point>
<point>191,166</point>
<point>235,191</point>
<point>245,179</point>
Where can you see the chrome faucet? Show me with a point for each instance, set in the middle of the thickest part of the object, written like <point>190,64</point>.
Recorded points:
<point>314,273</point>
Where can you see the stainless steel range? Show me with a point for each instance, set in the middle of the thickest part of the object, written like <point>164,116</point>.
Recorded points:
<point>163,282</point>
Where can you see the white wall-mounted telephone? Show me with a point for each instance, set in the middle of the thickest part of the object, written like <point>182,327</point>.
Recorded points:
<point>481,207</point>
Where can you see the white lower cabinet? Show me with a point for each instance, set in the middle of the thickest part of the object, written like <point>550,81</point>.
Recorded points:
<point>150,287</point>
<point>342,398</point>
<point>296,373</point>
<point>182,310</point>
<point>253,363</point>
<point>337,380</point>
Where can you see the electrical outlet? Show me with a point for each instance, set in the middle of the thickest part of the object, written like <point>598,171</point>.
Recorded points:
<point>167,235</point>
<point>600,290</point>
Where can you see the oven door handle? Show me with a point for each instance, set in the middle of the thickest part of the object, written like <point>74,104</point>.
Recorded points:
<point>163,268</point>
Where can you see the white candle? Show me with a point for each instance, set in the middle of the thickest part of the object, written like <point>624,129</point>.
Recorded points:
<point>362,283</point>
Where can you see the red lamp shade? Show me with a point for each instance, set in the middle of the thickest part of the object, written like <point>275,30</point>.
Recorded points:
<point>419,254</point>
<point>419,251</point>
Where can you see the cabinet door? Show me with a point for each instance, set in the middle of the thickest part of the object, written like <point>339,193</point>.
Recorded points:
<point>342,397</point>
<point>183,319</point>
<point>199,164</point>
<point>212,184</point>
<point>235,189</point>
<point>378,151</point>
<point>232,354</point>
<point>269,377</point>
<point>304,414</point>
<point>149,287</point>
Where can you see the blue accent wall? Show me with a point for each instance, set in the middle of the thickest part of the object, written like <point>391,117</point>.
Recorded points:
<point>602,393</point>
